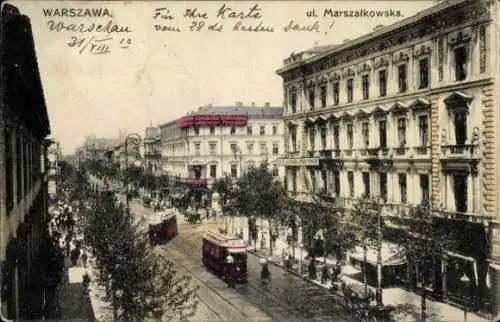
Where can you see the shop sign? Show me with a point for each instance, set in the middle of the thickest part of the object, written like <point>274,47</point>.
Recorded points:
<point>495,241</point>
<point>297,162</point>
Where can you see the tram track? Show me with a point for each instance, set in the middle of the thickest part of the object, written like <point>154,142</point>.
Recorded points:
<point>261,297</point>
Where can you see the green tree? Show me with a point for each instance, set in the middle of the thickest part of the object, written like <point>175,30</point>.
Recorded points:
<point>258,194</point>
<point>142,285</point>
<point>423,241</point>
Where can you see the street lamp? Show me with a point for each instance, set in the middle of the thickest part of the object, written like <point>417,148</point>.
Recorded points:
<point>465,281</point>
<point>378,292</point>
<point>300,261</point>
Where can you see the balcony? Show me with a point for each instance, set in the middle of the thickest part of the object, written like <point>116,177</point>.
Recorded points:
<point>463,151</point>
<point>401,151</point>
<point>348,152</point>
<point>422,150</point>
<point>325,154</point>
<point>292,154</point>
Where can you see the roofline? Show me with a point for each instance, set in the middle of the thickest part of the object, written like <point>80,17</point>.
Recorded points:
<point>375,34</point>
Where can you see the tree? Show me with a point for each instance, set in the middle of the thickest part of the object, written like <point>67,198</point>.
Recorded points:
<point>142,285</point>
<point>258,194</point>
<point>423,241</point>
<point>364,229</point>
<point>223,187</point>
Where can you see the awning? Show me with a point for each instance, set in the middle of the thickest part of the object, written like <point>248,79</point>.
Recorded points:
<point>392,255</point>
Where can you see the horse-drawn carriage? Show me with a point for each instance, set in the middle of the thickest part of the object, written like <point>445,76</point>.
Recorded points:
<point>359,303</point>
<point>193,216</point>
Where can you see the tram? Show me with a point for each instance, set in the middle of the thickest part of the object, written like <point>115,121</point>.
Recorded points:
<point>162,228</point>
<point>216,250</point>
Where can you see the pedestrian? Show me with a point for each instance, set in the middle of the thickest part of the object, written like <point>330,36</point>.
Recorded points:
<point>84,258</point>
<point>324,274</point>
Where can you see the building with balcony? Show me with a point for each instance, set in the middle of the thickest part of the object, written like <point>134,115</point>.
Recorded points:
<point>24,124</point>
<point>53,157</point>
<point>152,151</point>
<point>217,141</point>
<point>407,113</point>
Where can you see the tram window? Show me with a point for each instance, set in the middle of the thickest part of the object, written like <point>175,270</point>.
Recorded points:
<point>239,256</point>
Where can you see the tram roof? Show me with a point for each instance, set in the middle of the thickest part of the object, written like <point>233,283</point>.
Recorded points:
<point>224,240</point>
<point>158,218</point>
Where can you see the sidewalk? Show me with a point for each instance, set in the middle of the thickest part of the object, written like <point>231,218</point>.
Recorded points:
<point>407,303</point>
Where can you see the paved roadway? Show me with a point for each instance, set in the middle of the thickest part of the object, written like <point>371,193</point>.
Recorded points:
<point>286,298</point>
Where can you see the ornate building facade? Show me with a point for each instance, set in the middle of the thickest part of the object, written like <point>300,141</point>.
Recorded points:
<point>152,151</point>
<point>24,125</point>
<point>219,141</point>
<point>407,113</point>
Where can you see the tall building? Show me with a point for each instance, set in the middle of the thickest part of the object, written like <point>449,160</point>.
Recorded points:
<point>408,113</point>
<point>53,157</point>
<point>152,151</point>
<point>24,124</point>
<point>222,140</point>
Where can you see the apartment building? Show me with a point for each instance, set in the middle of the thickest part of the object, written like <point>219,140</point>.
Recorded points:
<point>217,141</point>
<point>407,113</point>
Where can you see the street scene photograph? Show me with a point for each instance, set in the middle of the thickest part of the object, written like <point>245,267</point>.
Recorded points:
<point>250,161</point>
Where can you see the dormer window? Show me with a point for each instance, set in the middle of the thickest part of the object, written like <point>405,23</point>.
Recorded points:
<point>460,54</point>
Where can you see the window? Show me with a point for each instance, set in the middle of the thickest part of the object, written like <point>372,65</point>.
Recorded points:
<point>402,78</point>
<point>294,102</point>
<point>212,148</point>
<point>213,170</point>
<point>312,139</point>
<point>424,72</point>
<point>322,90</point>
<point>275,130</point>
<point>263,149</point>
<point>250,165</point>
<point>460,127</point>
<point>250,148</point>
<point>365,131</point>
<point>350,180</point>
<point>9,196</point>
<point>382,76</point>
<point>336,96</point>
<point>366,87</point>
<point>366,183</point>
<point>402,187</point>
<point>196,130</point>
<point>423,129</point>
<point>324,182</point>
<point>336,139</point>
<point>233,147</point>
<point>424,187</point>
<point>249,130</point>
<point>460,192</point>
<point>262,130</point>
<point>402,132</point>
<point>293,138</point>
<point>197,148</point>
<point>460,63</point>
<point>336,182</point>
<point>275,149</point>
<point>234,170</point>
<point>311,98</point>
<point>19,166</point>
<point>382,127</point>
<point>212,130</point>
<point>350,136</point>
<point>275,171</point>
<point>349,90</point>
<point>233,130</point>
<point>383,185</point>
<point>323,137</point>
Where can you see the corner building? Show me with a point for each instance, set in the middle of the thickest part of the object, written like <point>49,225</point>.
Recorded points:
<point>407,113</point>
<point>219,141</point>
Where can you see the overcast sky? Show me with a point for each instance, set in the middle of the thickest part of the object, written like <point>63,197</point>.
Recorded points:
<point>163,75</point>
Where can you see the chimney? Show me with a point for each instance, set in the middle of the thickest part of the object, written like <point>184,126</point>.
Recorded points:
<point>266,104</point>
<point>253,104</point>
<point>200,108</point>
<point>239,103</point>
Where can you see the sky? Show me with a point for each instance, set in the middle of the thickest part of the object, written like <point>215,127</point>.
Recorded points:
<point>161,75</point>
